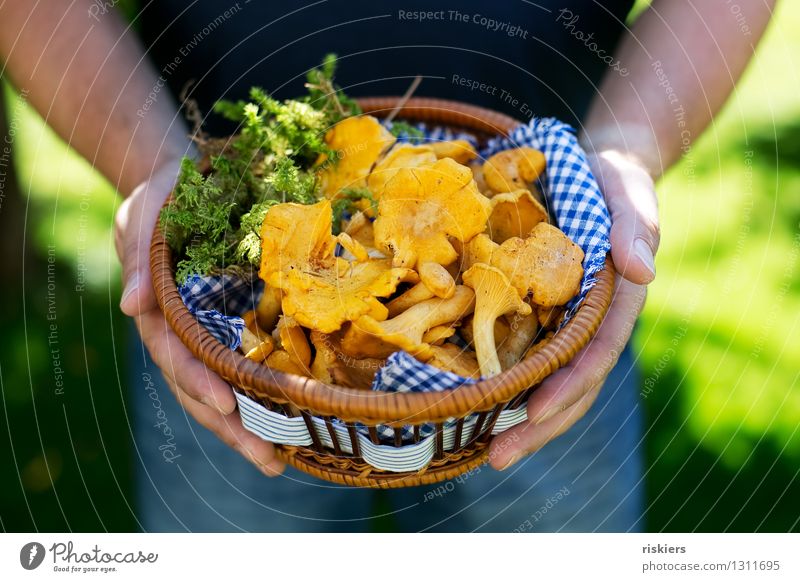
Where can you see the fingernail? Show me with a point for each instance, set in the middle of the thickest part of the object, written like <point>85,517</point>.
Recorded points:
<point>131,286</point>
<point>511,461</point>
<point>645,254</point>
<point>547,415</point>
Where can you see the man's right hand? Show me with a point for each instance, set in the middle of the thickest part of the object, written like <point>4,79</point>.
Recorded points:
<point>204,395</point>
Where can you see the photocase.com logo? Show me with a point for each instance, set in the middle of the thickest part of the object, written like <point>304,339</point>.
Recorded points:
<point>31,555</point>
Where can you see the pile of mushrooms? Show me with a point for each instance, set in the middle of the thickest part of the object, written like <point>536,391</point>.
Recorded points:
<point>455,262</point>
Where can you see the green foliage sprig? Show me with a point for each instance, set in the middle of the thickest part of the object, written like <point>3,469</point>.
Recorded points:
<point>214,220</point>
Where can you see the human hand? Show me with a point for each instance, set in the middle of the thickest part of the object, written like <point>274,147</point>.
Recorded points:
<point>565,396</point>
<point>204,395</point>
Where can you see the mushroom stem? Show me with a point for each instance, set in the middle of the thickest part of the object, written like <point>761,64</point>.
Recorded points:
<point>494,296</point>
<point>437,279</point>
<point>269,308</point>
<point>416,294</point>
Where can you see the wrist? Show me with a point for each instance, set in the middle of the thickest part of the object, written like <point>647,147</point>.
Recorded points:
<point>634,143</point>
<point>164,158</point>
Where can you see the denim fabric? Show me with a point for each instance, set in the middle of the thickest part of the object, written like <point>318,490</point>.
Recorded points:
<point>589,479</point>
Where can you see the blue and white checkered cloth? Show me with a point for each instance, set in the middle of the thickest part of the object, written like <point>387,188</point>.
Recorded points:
<point>570,190</point>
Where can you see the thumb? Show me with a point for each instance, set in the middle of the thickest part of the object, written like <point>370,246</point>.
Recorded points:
<point>135,221</point>
<point>632,202</point>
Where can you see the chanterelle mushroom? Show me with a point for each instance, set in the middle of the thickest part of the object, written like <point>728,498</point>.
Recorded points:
<point>546,263</point>
<point>459,150</point>
<point>400,156</point>
<point>320,290</point>
<point>421,207</point>
<point>333,366</point>
<point>514,214</point>
<point>296,236</point>
<point>293,340</point>
<point>359,142</point>
<point>407,329</point>
<point>454,359</point>
<point>494,296</point>
<point>523,330</point>
<point>512,170</point>
<point>324,300</point>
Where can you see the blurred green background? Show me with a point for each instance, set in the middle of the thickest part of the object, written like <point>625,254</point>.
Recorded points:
<point>718,343</point>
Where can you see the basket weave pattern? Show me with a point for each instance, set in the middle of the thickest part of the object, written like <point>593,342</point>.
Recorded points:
<point>287,394</point>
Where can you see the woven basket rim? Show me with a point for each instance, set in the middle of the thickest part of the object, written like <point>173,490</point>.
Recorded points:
<point>360,405</point>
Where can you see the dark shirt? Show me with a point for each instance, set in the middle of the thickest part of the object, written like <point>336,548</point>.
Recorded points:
<point>524,58</point>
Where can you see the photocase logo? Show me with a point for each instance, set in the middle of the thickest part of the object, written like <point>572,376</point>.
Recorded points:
<point>31,555</point>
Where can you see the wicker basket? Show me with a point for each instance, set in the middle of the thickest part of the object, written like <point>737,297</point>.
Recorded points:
<point>283,393</point>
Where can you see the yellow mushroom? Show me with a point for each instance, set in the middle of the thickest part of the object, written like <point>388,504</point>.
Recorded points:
<point>406,331</point>
<point>293,340</point>
<point>523,329</point>
<point>546,263</point>
<point>333,366</point>
<point>322,291</point>
<point>359,227</point>
<point>501,331</point>
<point>325,300</point>
<point>359,143</point>
<point>294,236</point>
<point>355,248</point>
<point>514,214</point>
<point>494,296</point>
<point>436,336</point>
<point>400,156</point>
<point>269,308</point>
<point>477,174</point>
<point>416,294</point>
<point>256,347</point>
<point>550,317</point>
<point>436,278</point>
<point>454,359</point>
<point>421,207</point>
<point>511,170</point>
<point>459,150</point>
<point>282,361</point>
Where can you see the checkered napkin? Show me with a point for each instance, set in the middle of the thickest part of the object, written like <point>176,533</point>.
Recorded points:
<point>573,196</point>
<point>204,297</point>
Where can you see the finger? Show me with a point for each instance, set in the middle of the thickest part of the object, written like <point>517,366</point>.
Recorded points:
<point>180,366</point>
<point>578,382</point>
<point>589,368</point>
<point>231,431</point>
<point>632,203</point>
<point>511,446</point>
<point>135,221</point>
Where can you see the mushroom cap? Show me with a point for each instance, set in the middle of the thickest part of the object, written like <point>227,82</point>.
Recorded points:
<point>514,214</point>
<point>406,331</point>
<point>546,263</point>
<point>325,299</point>
<point>421,207</point>
<point>281,360</point>
<point>438,279</point>
<point>400,156</point>
<point>454,359</point>
<point>296,236</point>
<point>511,170</point>
<point>359,141</point>
<point>459,150</point>
<point>293,340</point>
<point>494,293</point>
<point>332,365</point>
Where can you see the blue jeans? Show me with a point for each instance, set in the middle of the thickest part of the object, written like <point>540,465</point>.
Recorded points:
<point>589,479</point>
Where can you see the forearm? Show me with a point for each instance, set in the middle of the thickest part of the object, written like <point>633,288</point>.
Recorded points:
<point>683,59</point>
<point>89,79</point>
